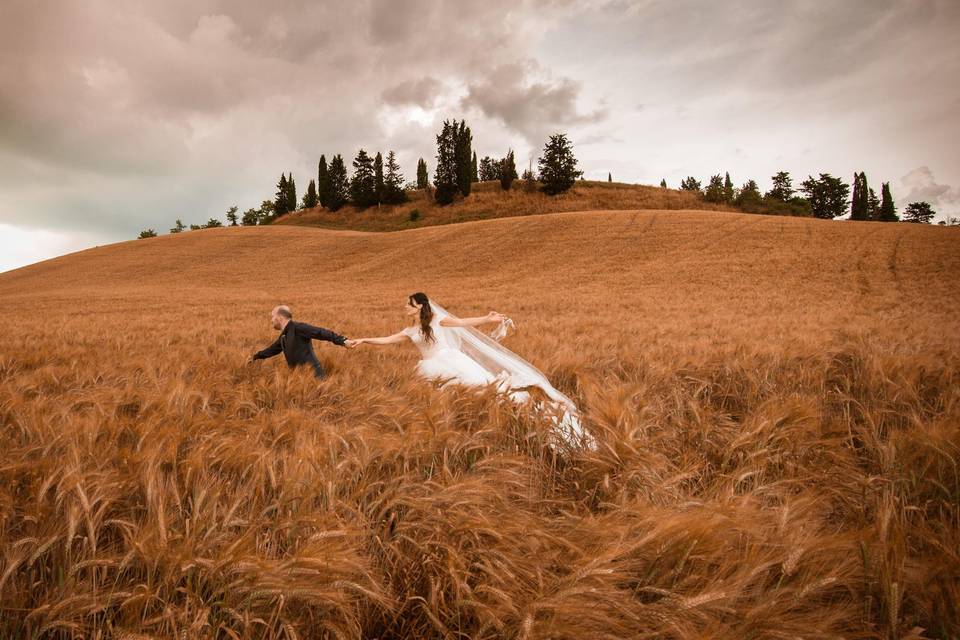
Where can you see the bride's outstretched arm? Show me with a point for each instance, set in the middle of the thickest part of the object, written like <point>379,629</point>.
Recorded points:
<point>396,338</point>
<point>493,316</point>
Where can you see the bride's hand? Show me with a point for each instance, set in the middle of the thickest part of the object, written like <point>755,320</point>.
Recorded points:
<point>493,316</point>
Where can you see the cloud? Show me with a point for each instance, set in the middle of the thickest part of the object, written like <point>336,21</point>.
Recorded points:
<point>531,106</point>
<point>423,92</point>
<point>922,187</point>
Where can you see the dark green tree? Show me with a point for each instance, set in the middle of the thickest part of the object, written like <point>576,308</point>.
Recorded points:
<point>690,184</point>
<point>609,177</point>
<point>663,183</point>
<point>859,203</point>
<point>423,180</point>
<point>873,204</point>
<point>147,233</point>
<point>919,212</point>
<point>310,199</point>
<point>323,183</point>
<point>212,223</point>
<point>473,168</point>
<point>728,189</point>
<point>291,193</point>
<point>782,187</point>
<point>508,171</point>
<point>888,212</point>
<point>445,176</point>
<point>749,197</point>
<point>393,181</point>
<point>379,192</point>
<point>714,190</point>
<point>280,205</point>
<point>827,195</point>
<point>339,184</point>
<point>251,217</point>
<point>363,182</point>
<point>463,143</point>
<point>557,165</point>
<point>177,227</point>
<point>489,169</point>
<point>232,216</point>
<point>529,181</point>
<point>266,211</point>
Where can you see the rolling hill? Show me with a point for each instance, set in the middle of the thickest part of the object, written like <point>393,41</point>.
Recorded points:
<point>487,201</point>
<point>775,403</point>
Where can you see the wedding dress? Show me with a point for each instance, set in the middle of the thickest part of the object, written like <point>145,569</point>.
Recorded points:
<point>463,355</point>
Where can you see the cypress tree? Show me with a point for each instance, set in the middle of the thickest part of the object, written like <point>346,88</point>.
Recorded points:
<point>462,142</point>
<point>339,185</point>
<point>609,177</point>
<point>873,204</point>
<point>310,199</point>
<point>859,203</point>
<point>323,183</point>
<point>558,166</point>
<point>445,176</point>
<point>508,171</point>
<point>291,193</point>
<point>475,177</point>
<point>280,206</point>
<point>379,192</point>
<point>423,180</point>
<point>663,183</point>
<point>728,189</point>
<point>888,212</point>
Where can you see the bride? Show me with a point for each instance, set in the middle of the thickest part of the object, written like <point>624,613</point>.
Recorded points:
<point>453,352</point>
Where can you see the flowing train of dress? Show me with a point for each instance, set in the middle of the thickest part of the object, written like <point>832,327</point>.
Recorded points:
<point>444,360</point>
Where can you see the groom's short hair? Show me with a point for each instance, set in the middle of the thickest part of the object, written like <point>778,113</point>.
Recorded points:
<point>284,311</point>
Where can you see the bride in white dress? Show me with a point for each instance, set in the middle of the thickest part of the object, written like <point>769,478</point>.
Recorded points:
<point>454,352</point>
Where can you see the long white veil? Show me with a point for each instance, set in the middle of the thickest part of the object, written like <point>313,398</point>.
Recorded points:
<point>513,372</point>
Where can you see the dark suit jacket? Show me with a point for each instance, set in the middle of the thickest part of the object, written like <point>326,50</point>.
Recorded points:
<point>294,343</point>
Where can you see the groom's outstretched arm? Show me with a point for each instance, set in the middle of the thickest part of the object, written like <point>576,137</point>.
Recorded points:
<point>269,352</point>
<point>319,333</point>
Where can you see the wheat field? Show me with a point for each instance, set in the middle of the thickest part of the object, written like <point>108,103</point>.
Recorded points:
<point>775,402</point>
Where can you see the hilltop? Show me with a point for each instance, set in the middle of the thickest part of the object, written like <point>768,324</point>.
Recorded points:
<point>487,200</point>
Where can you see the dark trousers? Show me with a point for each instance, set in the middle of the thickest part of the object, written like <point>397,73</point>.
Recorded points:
<point>318,371</point>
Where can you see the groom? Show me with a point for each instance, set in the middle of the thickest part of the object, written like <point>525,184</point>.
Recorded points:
<point>294,341</point>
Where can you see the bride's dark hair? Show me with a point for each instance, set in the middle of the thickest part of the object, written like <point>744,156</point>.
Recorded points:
<point>426,314</point>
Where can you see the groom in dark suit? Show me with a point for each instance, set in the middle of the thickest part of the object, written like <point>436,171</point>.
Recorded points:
<point>294,341</point>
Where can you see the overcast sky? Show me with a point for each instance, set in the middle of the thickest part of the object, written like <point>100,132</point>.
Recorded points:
<point>118,116</point>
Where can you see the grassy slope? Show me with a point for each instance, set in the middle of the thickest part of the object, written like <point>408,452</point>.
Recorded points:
<point>776,401</point>
<point>487,200</point>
